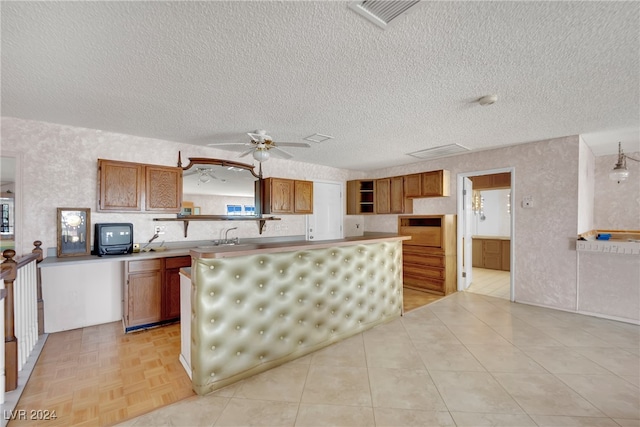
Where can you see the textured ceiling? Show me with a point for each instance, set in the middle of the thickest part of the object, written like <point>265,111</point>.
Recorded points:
<point>203,72</point>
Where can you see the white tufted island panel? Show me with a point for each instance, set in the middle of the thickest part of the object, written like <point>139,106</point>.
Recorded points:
<point>251,313</point>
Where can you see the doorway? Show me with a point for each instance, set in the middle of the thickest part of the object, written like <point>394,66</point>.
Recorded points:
<point>10,201</point>
<point>485,232</point>
<point>325,223</point>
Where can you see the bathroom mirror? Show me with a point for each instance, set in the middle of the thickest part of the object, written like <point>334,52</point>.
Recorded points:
<point>218,187</point>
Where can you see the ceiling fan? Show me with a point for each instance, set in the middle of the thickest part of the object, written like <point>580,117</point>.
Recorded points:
<point>261,144</point>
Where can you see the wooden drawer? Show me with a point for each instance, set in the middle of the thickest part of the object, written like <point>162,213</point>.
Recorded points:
<point>423,236</point>
<point>145,265</point>
<point>422,259</point>
<point>178,262</point>
<point>424,283</point>
<point>422,271</point>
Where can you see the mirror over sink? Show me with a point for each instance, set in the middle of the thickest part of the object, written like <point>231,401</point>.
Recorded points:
<point>215,187</point>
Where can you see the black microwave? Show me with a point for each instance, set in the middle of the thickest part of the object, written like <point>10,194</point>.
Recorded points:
<point>113,238</point>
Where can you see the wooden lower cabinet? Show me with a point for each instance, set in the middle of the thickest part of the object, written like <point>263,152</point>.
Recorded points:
<point>490,253</point>
<point>152,292</point>
<point>143,292</point>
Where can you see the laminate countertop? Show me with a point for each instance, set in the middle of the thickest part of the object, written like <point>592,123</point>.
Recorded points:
<point>243,249</point>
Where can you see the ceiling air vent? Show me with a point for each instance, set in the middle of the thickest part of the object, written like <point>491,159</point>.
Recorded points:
<point>441,151</point>
<point>382,12</point>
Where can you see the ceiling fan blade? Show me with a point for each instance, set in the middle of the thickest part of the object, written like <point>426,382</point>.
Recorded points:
<point>280,152</point>
<point>246,152</point>
<point>256,137</point>
<point>292,144</point>
<point>222,144</point>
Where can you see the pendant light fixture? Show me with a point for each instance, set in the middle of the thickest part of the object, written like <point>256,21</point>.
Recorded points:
<point>620,171</point>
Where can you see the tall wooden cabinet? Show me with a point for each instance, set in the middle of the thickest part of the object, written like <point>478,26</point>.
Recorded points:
<point>137,187</point>
<point>429,258</point>
<point>287,196</point>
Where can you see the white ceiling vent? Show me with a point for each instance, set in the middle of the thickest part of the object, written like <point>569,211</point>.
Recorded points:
<point>382,12</point>
<point>441,151</point>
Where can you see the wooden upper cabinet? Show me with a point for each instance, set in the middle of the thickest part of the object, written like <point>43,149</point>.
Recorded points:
<point>493,181</point>
<point>390,198</point>
<point>287,196</point>
<point>383,196</point>
<point>163,188</point>
<point>435,183</point>
<point>303,197</point>
<point>427,184</point>
<point>413,185</point>
<point>136,187</point>
<point>121,185</point>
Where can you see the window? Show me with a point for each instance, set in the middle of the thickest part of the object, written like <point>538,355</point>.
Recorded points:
<point>241,210</point>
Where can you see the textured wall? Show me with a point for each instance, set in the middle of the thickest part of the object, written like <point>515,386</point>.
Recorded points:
<point>60,170</point>
<point>617,206</point>
<point>544,240</point>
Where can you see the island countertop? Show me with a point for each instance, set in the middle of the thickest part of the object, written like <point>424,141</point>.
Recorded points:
<point>242,249</point>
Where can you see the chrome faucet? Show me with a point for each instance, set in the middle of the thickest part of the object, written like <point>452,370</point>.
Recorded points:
<point>226,240</point>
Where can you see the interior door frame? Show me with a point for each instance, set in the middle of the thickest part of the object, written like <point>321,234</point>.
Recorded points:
<point>460,224</point>
<point>17,201</point>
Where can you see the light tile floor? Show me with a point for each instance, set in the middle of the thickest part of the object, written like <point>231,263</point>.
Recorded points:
<point>465,360</point>
<point>494,283</point>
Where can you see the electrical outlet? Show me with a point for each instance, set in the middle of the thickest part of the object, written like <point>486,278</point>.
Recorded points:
<point>527,202</point>
<point>159,229</point>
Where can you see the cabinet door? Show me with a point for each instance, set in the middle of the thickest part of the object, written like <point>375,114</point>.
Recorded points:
<point>435,183</point>
<point>506,255</point>
<point>121,185</point>
<point>383,196</point>
<point>279,195</point>
<point>144,298</point>
<point>171,287</point>
<point>476,253</point>
<point>303,197</point>
<point>396,195</point>
<point>163,190</point>
<point>413,185</point>
<point>492,254</point>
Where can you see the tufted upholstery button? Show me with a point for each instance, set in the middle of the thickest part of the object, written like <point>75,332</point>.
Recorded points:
<point>238,327</point>
<point>281,271</point>
<point>211,267</point>
<point>238,353</point>
<point>237,301</point>
<point>281,293</point>
<point>213,374</point>
<point>260,285</point>
<point>259,308</point>
<point>212,293</point>
<point>213,347</point>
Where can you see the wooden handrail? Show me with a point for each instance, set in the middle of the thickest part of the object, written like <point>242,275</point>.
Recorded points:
<point>9,269</point>
<point>10,342</point>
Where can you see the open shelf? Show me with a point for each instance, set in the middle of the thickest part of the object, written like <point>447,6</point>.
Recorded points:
<point>186,218</point>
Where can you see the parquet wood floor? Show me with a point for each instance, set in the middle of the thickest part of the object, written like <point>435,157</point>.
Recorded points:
<point>413,299</point>
<point>99,376</point>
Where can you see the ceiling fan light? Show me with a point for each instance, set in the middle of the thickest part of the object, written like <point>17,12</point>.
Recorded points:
<point>261,155</point>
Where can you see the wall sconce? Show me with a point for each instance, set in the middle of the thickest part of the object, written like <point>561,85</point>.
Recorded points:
<point>620,171</point>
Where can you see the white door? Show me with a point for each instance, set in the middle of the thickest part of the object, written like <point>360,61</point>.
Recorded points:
<point>326,221</point>
<point>467,232</point>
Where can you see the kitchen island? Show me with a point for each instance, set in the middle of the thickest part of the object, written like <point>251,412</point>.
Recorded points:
<point>256,306</point>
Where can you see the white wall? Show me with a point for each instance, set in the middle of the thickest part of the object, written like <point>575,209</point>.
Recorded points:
<point>497,215</point>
